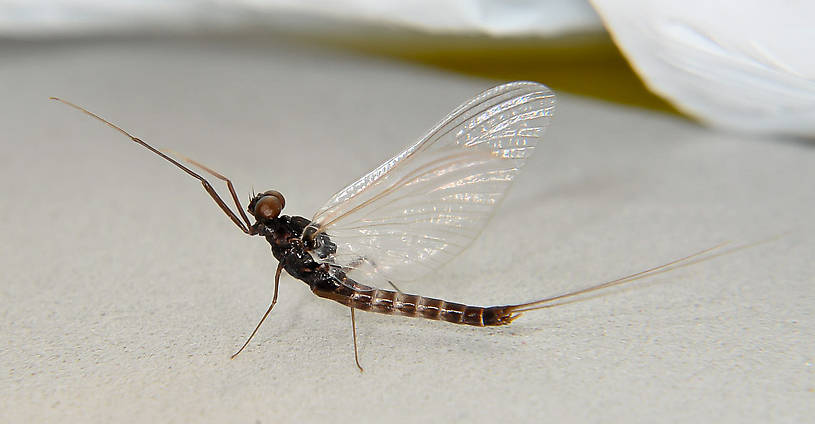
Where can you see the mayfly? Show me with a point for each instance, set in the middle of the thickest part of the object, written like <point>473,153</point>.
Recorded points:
<point>409,215</point>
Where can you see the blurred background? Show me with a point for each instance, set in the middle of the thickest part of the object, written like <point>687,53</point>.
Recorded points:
<point>679,125</point>
<point>745,72</point>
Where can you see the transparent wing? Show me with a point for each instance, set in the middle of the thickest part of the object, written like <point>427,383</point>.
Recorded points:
<point>422,207</point>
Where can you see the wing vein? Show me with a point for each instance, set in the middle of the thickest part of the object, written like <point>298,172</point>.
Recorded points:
<point>420,208</point>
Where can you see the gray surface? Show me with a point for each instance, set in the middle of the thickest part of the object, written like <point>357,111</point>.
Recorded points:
<point>125,290</point>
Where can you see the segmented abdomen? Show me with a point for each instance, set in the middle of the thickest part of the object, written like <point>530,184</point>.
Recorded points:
<point>411,305</point>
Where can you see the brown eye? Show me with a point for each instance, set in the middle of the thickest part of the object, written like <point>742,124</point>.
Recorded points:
<point>269,206</point>
<point>277,194</point>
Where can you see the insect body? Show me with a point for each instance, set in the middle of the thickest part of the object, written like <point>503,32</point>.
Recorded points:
<point>409,215</point>
<point>284,233</point>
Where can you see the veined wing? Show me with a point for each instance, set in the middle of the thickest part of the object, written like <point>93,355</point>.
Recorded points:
<point>422,207</point>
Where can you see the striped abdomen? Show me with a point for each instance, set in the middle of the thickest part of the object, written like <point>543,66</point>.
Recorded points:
<point>411,305</point>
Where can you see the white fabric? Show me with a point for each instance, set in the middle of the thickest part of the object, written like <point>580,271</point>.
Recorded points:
<point>745,65</point>
<point>493,17</point>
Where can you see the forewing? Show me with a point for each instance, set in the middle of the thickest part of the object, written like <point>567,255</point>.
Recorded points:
<point>422,207</point>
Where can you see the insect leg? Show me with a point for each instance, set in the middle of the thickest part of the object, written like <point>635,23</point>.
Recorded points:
<point>354,331</point>
<point>357,262</point>
<point>274,300</point>
<point>219,176</point>
<point>207,186</point>
<point>361,260</point>
<point>395,288</point>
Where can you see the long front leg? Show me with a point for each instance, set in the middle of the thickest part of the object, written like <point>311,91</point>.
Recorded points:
<point>221,177</point>
<point>274,300</point>
<point>207,186</point>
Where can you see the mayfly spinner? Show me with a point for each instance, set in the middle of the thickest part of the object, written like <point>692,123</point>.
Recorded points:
<point>409,215</point>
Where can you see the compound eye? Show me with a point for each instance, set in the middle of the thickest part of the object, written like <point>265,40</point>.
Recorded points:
<point>269,207</point>
<point>277,194</point>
